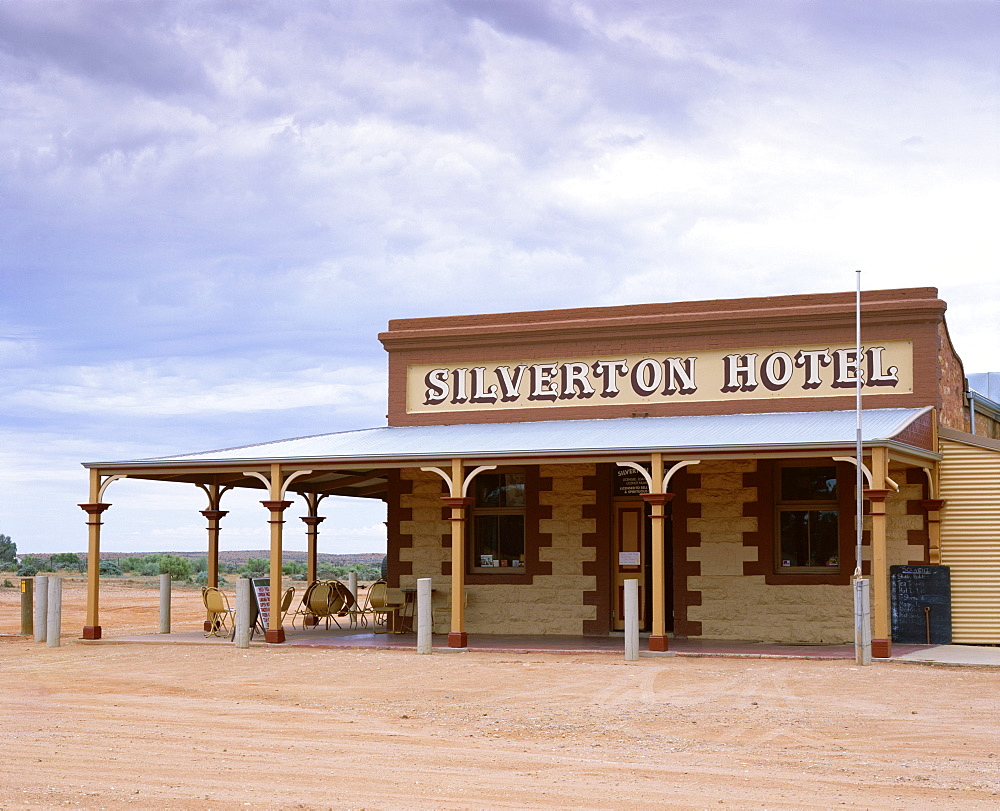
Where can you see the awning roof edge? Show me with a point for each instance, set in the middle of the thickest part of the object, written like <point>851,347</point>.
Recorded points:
<point>769,432</point>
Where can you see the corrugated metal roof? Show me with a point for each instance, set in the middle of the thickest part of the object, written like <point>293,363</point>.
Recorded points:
<point>572,437</point>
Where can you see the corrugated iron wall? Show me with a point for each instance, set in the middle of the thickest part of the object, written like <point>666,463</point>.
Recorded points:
<point>970,539</point>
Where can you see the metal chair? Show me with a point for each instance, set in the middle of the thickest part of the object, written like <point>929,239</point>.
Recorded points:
<point>219,612</point>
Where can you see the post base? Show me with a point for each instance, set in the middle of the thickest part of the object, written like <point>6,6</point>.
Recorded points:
<point>208,627</point>
<point>274,636</point>
<point>881,648</point>
<point>91,631</point>
<point>659,643</point>
<point>458,639</point>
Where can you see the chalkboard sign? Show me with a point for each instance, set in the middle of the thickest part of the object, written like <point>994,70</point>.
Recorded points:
<point>630,482</point>
<point>261,608</point>
<point>921,604</point>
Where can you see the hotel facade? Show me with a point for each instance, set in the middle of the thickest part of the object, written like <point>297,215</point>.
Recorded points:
<point>533,462</point>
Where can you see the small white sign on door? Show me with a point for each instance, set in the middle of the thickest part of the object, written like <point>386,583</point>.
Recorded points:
<point>628,558</point>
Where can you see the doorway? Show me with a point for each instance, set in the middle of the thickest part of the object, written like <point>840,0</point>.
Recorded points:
<point>632,559</point>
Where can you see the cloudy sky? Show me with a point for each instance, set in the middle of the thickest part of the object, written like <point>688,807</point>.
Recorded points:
<point>208,210</point>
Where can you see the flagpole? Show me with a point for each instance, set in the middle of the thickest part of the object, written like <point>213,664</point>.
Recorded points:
<point>862,595</point>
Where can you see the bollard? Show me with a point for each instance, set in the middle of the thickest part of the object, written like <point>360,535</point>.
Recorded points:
<point>424,617</point>
<point>631,620</point>
<point>54,624</point>
<point>862,622</point>
<point>41,606</point>
<point>164,603</point>
<point>241,636</point>
<point>352,584</point>
<point>27,606</point>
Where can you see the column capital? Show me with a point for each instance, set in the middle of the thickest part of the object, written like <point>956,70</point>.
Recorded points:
<point>276,506</point>
<point>877,496</point>
<point>932,504</point>
<point>94,509</point>
<point>458,502</point>
<point>215,515</point>
<point>658,499</point>
<point>312,520</point>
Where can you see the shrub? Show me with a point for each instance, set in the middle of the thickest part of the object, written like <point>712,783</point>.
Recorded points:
<point>27,571</point>
<point>199,565</point>
<point>177,567</point>
<point>7,584</point>
<point>201,578</point>
<point>8,550</point>
<point>66,561</point>
<point>294,567</point>
<point>110,569</point>
<point>257,566</point>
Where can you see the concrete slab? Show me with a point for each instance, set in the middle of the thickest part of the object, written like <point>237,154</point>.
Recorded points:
<point>969,655</point>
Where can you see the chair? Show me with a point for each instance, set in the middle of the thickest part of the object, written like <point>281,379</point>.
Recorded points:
<point>303,609</point>
<point>380,608</point>
<point>325,601</point>
<point>286,602</point>
<point>219,612</point>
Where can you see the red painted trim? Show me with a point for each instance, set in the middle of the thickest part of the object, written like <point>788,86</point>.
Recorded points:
<point>91,631</point>
<point>657,499</point>
<point>881,648</point>
<point>659,643</point>
<point>94,509</point>
<point>215,515</point>
<point>274,636</point>
<point>458,639</point>
<point>277,506</point>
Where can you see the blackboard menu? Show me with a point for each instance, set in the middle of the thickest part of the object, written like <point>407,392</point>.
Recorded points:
<point>261,602</point>
<point>630,482</point>
<point>921,604</point>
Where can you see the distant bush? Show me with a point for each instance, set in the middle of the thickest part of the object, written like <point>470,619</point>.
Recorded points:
<point>384,568</point>
<point>153,565</point>
<point>201,578</point>
<point>8,551</point>
<point>229,568</point>
<point>293,567</point>
<point>258,566</point>
<point>199,565</point>
<point>66,561</point>
<point>110,569</point>
<point>37,565</point>
<point>27,571</point>
<point>7,584</point>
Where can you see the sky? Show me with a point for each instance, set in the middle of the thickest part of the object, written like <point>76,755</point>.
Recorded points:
<point>209,210</point>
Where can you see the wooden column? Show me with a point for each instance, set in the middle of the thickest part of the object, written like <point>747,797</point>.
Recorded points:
<point>274,633</point>
<point>658,640</point>
<point>92,630</point>
<point>214,517</point>
<point>312,523</point>
<point>876,495</point>
<point>457,637</point>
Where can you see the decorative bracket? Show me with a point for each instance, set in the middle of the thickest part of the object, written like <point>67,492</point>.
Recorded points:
<point>465,484</point>
<point>107,481</point>
<point>284,485</point>
<point>667,477</point>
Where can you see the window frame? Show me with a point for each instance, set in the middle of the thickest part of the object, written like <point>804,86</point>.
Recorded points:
<point>474,511</point>
<point>782,505</point>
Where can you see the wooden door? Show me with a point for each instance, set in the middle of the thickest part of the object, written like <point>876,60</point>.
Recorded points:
<point>629,558</point>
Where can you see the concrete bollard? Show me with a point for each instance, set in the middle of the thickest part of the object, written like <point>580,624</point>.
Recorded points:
<point>424,617</point>
<point>41,606</point>
<point>352,583</point>
<point>631,620</point>
<point>27,606</point>
<point>54,625</point>
<point>862,622</point>
<point>164,603</point>
<point>241,637</point>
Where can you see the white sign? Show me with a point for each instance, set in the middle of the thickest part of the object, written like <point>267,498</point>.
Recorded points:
<point>628,558</point>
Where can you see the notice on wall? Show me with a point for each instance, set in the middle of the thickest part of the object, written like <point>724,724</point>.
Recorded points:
<point>628,558</point>
<point>630,482</point>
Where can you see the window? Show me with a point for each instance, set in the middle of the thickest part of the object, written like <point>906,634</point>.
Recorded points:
<point>807,522</point>
<point>498,523</point>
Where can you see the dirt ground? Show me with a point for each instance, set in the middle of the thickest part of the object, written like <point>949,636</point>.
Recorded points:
<point>180,726</point>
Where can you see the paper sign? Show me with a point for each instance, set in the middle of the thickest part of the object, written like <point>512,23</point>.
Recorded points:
<point>628,558</point>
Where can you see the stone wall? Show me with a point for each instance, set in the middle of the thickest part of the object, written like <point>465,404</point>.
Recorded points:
<point>551,603</point>
<point>735,605</point>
